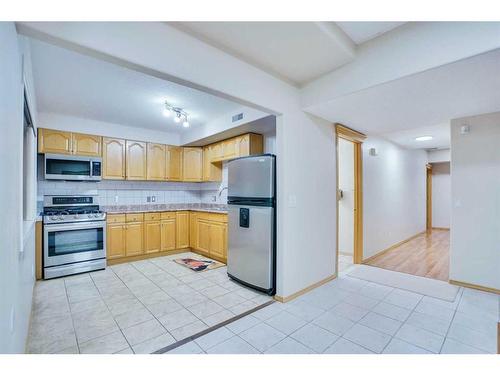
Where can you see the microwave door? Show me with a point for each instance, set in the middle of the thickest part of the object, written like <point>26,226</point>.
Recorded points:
<point>71,168</point>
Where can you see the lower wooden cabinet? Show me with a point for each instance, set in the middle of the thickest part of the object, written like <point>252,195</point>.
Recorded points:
<point>211,235</point>
<point>134,244</point>
<point>152,236</point>
<point>203,236</point>
<point>115,241</point>
<point>218,236</point>
<point>182,229</point>
<point>168,234</point>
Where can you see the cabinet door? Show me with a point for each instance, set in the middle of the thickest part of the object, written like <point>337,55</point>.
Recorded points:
<point>134,239</point>
<point>217,151</point>
<point>182,227</point>
<point>54,141</point>
<point>218,233</point>
<point>174,163</point>
<point>136,160</point>
<point>193,230</point>
<point>192,164</point>
<point>243,145</point>
<point>86,144</point>
<point>113,158</point>
<point>152,237</point>
<point>115,241</point>
<point>156,159</point>
<point>203,236</point>
<point>230,148</point>
<point>211,171</point>
<point>168,235</point>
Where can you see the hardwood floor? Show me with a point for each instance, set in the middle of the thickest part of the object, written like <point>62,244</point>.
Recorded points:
<point>426,255</point>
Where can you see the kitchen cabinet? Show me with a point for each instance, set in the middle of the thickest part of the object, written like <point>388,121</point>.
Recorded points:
<point>249,144</point>
<point>211,171</point>
<point>192,170</point>
<point>134,239</point>
<point>86,144</point>
<point>182,229</point>
<point>174,159</point>
<point>113,158</point>
<point>218,236</point>
<point>217,151</point>
<point>193,229</point>
<point>115,241</point>
<point>136,160</point>
<point>168,234</point>
<point>156,162</point>
<point>230,149</point>
<point>152,233</point>
<point>211,233</point>
<point>203,229</point>
<point>54,141</point>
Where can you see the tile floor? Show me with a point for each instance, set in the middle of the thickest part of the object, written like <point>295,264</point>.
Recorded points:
<point>349,315</point>
<point>137,307</point>
<point>345,261</point>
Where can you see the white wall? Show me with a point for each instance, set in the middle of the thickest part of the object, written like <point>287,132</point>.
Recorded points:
<point>441,195</point>
<point>16,236</point>
<point>438,156</point>
<point>394,194</point>
<point>475,213</point>
<point>305,145</point>
<point>346,204</point>
<point>83,125</point>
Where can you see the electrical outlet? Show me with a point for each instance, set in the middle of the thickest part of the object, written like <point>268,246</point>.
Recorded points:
<point>148,199</point>
<point>153,198</point>
<point>214,198</point>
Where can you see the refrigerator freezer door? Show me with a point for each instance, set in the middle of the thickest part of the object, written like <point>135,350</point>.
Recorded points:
<point>251,177</point>
<point>250,245</point>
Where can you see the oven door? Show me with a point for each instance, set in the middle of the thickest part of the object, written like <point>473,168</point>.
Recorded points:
<point>72,168</point>
<point>74,242</point>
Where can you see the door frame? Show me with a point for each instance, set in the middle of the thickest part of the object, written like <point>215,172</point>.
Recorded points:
<point>357,139</point>
<point>428,204</point>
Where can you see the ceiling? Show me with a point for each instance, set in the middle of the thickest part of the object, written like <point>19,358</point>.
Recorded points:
<point>433,97</point>
<point>440,137</point>
<point>70,83</point>
<point>361,32</point>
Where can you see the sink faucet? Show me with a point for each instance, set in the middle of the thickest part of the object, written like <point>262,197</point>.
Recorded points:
<point>221,190</point>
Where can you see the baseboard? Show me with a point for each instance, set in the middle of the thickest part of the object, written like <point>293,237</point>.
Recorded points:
<point>367,260</point>
<point>304,291</point>
<point>111,262</point>
<point>440,228</point>
<point>474,286</point>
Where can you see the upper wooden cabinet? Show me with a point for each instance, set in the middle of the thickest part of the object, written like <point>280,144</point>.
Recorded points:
<point>54,141</point>
<point>174,160</point>
<point>230,149</point>
<point>156,159</point>
<point>211,171</point>
<point>86,144</point>
<point>249,144</point>
<point>192,170</point>
<point>136,160</point>
<point>113,158</point>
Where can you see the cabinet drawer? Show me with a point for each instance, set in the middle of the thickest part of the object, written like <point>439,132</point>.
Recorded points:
<point>134,217</point>
<point>152,216</point>
<point>115,218</point>
<point>220,218</point>
<point>168,215</point>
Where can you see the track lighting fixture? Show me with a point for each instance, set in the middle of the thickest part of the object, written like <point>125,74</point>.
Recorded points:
<point>178,113</point>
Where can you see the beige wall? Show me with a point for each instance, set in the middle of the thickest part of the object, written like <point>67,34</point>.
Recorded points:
<point>346,204</point>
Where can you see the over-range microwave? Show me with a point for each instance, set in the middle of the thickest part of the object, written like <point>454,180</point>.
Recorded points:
<point>72,168</point>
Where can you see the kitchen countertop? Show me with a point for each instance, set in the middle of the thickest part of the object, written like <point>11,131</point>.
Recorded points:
<point>202,207</point>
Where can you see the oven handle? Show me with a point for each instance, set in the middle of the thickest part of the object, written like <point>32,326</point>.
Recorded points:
<point>72,226</point>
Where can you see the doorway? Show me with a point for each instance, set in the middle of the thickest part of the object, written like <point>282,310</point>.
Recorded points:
<point>349,197</point>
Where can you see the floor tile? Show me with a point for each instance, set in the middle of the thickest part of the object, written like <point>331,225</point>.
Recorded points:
<point>213,338</point>
<point>359,300</point>
<point>218,318</point>
<point>392,311</point>
<point>333,323</point>
<point>289,346</point>
<point>452,346</point>
<point>71,350</point>
<point>397,346</point>
<point>475,323</point>
<point>349,311</point>
<point>267,312</point>
<point>154,344</point>
<point>435,309</point>
<point>420,337</point>
<point>429,322</point>
<point>133,317</point>
<point>314,337</point>
<point>304,311</point>
<point>343,346</point>
<point>381,323</point>
<point>108,344</point>
<point>367,338</point>
<point>214,291</point>
<point>143,331</point>
<point>191,299</point>
<point>262,336</point>
<point>189,348</point>
<point>243,324</point>
<point>92,324</point>
<point>155,297</point>
<point>235,345</point>
<point>375,291</point>
<point>285,322</point>
<point>163,308</point>
<point>90,304</point>
<point>51,342</point>
<point>188,330</point>
<point>206,308</point>
<point>480,340</point>
<point>403,298</point>
<point>243,307</point>
<point>229,300</point>
<point>177,319</point>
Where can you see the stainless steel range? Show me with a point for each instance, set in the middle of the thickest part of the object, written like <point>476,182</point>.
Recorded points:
<point>74,235</point>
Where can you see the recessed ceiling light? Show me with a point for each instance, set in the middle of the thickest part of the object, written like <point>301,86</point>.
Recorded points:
<point>423,138</point>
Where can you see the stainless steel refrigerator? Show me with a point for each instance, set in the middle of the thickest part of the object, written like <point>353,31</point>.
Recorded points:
<point>251,253</point>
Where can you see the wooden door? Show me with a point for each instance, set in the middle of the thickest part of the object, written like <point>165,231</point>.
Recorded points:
<point>134,238</point>
<point>217,239</point>
<point>54,141</point>
<point>86,144</point>
<point>174,161</point>
<point>115,241</point>
<point>230,148</point>
<point>136,160</point>
<point>182,229</point>
<point>152,237</point>
<point>192,170</point>
<point>156,160</point>
<point>168,235</point>
<point>203,232</point>
<point>113,158</point>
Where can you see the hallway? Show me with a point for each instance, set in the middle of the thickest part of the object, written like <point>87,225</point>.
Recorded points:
<point>426,255</point>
